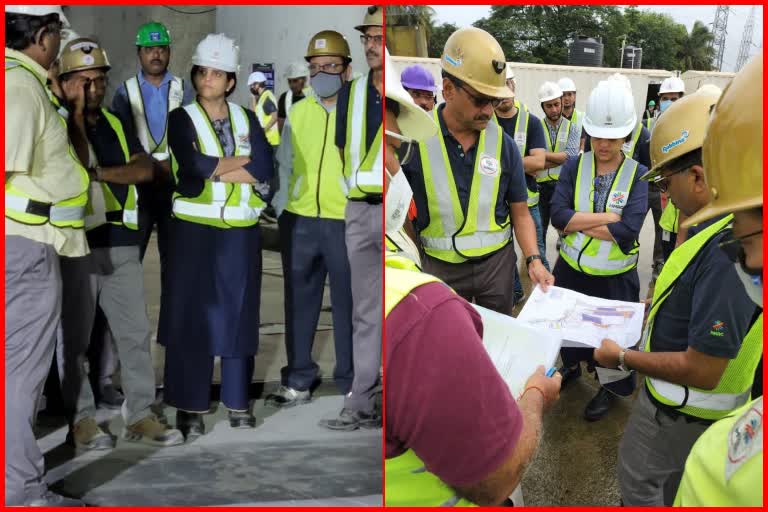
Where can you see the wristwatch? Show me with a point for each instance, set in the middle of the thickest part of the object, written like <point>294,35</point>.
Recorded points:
<point>530,259</point>
<point>622,365</point>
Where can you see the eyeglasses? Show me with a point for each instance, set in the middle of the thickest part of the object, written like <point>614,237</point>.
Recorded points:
<point>732,246</point>
<point>418,94</point>
<point>478,101</point>
<point>406,151</point>
<point>365,39</point>
<point>334,68</point>
<point>662,182</point>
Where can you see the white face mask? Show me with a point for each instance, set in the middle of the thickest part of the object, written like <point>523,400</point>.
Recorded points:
<point>399,195</point>
<point>752,284</point>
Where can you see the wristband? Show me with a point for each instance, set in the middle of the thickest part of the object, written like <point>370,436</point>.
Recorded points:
<point>543,395</point>
<point>530,259</point>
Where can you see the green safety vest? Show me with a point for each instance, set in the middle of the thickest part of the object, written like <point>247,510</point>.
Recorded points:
<point>670,218</point>
<point>138,112</point>
<point>556,146</point>
<point>273,134</point>
<point>114,212</point>
<point>735,385</point>
<point>222,205</point>
<point>520,136</point>
<point>316,187</point>
<point>577,120</point>
<point>593,256</point>
<point>451,236</point>
<point>407,481</point>
<point>650,123</point>
<point>363,168</point>
<point>628,148</point>
<point>725,466</point>
<point>25,209</point>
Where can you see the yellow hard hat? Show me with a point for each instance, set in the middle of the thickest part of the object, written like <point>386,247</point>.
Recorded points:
<point>681,129</point>
<point>733,146</point>
<point>328,42</point>
<point>473,56</point>
<point>81,54</point>
<point>374,17</point>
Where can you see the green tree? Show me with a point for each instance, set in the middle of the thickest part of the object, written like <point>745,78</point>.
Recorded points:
<point>658,35</point>
<point>695,51</point>
<point>439,36</point>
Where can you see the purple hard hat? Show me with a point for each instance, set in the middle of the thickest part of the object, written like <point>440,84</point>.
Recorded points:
<point>418,77</point>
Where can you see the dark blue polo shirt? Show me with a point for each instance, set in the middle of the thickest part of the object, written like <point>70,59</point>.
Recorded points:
<point>512,188</point>
<point>109,153</point>
<point>373,114</point>
<point>534,139</point>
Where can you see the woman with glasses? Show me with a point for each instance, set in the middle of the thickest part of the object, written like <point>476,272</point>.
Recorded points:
<point>214,283</point>
<point>599,204</point>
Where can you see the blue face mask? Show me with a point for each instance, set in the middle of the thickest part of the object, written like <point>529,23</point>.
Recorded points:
<point>664,105</point>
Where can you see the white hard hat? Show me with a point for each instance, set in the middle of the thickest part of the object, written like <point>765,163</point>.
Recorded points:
<point>549,91</point>
<point>217,51</point>
<point>610,111</point>
<point>672,84</point>
<point>510,73</point>
<point>67,35</point>
<point>297,70</point>
<point>414,122</point>
<point>257,77</point>
<point>618,77</point>
<point>566,85</point>
<point>710,89</point>
<point>38,10</point>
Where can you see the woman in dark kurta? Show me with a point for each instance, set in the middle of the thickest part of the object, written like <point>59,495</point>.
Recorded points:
<point>211,306</point>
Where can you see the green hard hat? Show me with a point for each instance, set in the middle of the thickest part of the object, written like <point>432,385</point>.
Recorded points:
<point>651,103</point>
<point>153,34</point>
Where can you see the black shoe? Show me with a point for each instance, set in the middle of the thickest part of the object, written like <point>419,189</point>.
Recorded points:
<point>241,419</point>
<point>351,420</point>
<point>599,405</point>
<point>190,424</point>
<point>569,374</point>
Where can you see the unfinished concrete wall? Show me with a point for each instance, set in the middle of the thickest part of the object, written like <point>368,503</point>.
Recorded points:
<point>115,27</point>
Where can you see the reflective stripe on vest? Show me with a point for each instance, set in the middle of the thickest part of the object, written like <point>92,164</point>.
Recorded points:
<point>363,168</point>
<point>735,384</point>
<point>450,236</point>
<point>520,136</point>
<point>109,208</point>
<point>650,123</point>
<point>136,100</point>
<point>589,255</point>
<point>561,140</point>
<point>577,121</point>
<point>628,148</point>
<point>23,208</point>
<point>222,205</point>
<point>272,134</point>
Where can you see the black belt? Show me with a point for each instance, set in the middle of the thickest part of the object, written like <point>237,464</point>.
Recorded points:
<point>672,412</point>
<point>38,208</point>
<point>372,199</point>
<point>116,216</point>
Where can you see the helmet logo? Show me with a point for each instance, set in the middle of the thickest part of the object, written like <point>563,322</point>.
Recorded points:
<point>154,36</point>
<point>683,137</point>
<point>458,60</point>
<point>498,66</point>
<point>320,44</point>
<point>609,120</point>
<point>88,60</point>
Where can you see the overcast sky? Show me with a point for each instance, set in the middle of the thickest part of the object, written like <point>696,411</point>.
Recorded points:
<point>685,14</point>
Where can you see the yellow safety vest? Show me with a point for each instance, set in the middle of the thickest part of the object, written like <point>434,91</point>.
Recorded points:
<point>23,208</point>
<point>138,112</point>
<point>725,466</point>
<point>363,168</point>
<point>650,123</point>
<point>273,133</point>
<point>670,218</point>
<point>113,211</point>
<point>450,235</point>
<point>735,385</point>
<point>222,205</point>
<point>593,256</point>
<point>520,136</point>
<point>316,187</point>
<point>628,148</point>
<point>556,146</point>
<point>408,483</point>
<point>577,120</point>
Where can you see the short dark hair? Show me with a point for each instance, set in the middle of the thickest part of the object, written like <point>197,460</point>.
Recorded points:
<point>230,76</point>
<point>20,29</point>
<point>684,161</point>
<point>392,106</point>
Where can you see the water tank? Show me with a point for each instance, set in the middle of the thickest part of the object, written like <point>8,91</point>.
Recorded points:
<point>586,51</point>
<point>633,57</point>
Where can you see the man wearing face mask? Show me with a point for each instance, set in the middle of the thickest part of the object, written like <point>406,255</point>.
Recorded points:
<point>702,340</point>
<point>265,106</point>
<point>469,184</point>
<point>725,466</point>
<point>310,206</point>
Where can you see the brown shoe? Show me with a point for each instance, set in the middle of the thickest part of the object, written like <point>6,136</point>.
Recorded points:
<point>87,435</point>
<point>151,431</point>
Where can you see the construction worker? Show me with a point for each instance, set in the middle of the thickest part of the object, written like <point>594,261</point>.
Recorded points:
<point>528,134</point>
<point>297,91</point>
<point>649,114</point>
<point>599,205</point>
<point>264,105</point>
<point>563,143</point>
<point>310,206</point>
<point>576,117</point>
<point>359,139</point>
<point>214,282</point>
<point>469,183</point>
<point>45,196</point>
<point>510,81</point>
<point>725,466</point>
<point>703,336</point>
<point>111,275</point>
<point>420,84</point>
<point>426,426</point>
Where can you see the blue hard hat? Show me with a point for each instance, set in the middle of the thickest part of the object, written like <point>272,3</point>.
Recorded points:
<point>418,77</point>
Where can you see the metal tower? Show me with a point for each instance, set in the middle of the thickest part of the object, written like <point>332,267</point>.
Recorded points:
<point>746,40</point>
<point>719,31</point>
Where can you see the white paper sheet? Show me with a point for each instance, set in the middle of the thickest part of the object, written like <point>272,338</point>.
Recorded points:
<point>581,320</point>
<point>516,348</point>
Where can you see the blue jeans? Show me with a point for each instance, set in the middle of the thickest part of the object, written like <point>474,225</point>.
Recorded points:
<point>536,215</point>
